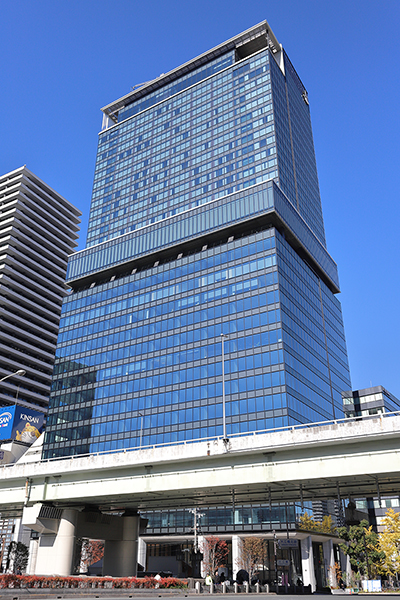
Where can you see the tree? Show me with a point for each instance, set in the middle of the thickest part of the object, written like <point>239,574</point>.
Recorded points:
<point>253,554</point>
<point>362,548</point>
<point>335,575</point>
<point>310,524</point>
<point>21,558</point>
<point>215,552</point>
<point>389,543</point>
<point>92,551</point>
<point>17,557</point>
<point>307,522</point>
<point>327,525</point>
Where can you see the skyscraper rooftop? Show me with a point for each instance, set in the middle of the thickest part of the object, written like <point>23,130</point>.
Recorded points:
<point>245,44</point>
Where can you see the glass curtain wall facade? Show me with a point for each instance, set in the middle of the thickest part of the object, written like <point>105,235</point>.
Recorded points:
<point>205,219</point>
<point>222,519</point>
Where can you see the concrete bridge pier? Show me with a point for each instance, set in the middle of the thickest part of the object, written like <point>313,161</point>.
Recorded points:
<point>59,529</point>
<point>55,552</point>
<point>307,563</point>
<point>120,556</point>
<point>329,562</point>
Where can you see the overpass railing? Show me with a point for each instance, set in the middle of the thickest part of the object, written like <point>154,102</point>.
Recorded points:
<point>297,427</point>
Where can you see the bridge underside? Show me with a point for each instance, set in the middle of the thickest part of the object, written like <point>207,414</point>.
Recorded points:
<point>357,486</point>
<point>319,489</point>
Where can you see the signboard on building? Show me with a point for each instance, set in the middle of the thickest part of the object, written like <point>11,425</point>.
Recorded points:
<point>20,424</point>
<point>283,562</point>
<point>6,421</point>
<point>288,543</point>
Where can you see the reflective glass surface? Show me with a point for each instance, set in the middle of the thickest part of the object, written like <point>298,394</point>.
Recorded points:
<point>210,140</point>
<point>205,219</point>
<point>139,358</point>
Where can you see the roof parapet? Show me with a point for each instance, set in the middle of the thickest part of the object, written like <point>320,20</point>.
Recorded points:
<point>257,37</point>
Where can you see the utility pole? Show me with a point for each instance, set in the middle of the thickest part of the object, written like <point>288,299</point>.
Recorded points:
<point>366,555</point>
<point>275,559</point>
<point>223,338</point>
<point>196,516</point>
<point>197,556</point>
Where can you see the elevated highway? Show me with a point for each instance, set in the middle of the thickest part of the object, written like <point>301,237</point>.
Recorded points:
<point>356,458</point>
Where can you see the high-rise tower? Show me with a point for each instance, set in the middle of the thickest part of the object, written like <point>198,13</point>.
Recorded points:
<point>38,230</point>
<point>205,220</point>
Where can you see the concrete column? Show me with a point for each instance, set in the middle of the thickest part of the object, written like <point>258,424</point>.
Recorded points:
<point>142,553</point>
<point>201,545</point>
<point>236,554</point>
<point>56,551</point>
<point>33,550</point>
<point>120,557</point>
<point>329,559</point>
<point>307,563</point>
<point>17,530</point>
<point>345,565</point>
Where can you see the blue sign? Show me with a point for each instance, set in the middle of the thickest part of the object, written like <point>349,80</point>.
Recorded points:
<point>27,426</point>
<point>6,422</point>
<point>288,543</point>
<point>20,424</point>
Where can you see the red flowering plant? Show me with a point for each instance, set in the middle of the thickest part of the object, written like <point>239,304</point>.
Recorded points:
<point>9,580</point>
<point>172,582</point>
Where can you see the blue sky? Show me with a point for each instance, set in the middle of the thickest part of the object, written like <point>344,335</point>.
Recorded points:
<point>62,60</point>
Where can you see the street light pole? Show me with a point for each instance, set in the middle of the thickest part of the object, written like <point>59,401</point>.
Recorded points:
<point>20,372</point>
<point>197,556</point>
<point>141,430</point>
<point>225,438</point>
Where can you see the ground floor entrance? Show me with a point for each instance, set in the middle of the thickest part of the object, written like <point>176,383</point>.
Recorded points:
<point>298,559</point>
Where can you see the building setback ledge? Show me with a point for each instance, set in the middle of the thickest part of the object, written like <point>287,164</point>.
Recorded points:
<point>263,201</point>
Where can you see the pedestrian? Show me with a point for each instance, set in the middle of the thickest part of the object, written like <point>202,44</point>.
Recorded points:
<point>157,578</point>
